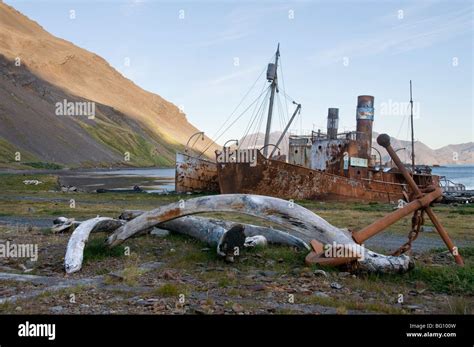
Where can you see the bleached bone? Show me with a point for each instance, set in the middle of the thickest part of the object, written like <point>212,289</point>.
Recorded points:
<point>302,222</point>
<point>204,229</point>
<point>77,242</point>
<point>254,241</point>
<point>34,182</point>
<point>130,214</point>
<point>63,224</point>
<point>200,227</point>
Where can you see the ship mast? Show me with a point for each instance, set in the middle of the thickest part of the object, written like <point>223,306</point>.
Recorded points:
<point>271,77</point>
<point>412,134</point>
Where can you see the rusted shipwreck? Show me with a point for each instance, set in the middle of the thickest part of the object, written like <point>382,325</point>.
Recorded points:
<point>306,227</point>
<point>323,166</point>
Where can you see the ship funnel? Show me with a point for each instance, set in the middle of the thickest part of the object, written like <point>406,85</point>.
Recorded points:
<point>333,121</point>
<point>365,118</point>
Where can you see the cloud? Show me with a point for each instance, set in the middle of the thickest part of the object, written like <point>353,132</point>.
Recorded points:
<point>223,37</point>
<point>234,75</point>
<point>403,37</point>
<point>242,21</point>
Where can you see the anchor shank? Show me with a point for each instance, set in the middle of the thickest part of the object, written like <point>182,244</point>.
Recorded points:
<point>384,141</point>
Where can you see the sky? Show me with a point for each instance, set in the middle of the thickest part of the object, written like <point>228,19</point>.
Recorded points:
<point>204,56</point>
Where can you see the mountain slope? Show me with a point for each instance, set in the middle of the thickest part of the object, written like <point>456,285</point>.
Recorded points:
<point>450,154</point>
<point>258,139</point>
<point>128,120</point>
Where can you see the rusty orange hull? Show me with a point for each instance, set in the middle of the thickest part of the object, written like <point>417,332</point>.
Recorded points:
<point>288,181</point>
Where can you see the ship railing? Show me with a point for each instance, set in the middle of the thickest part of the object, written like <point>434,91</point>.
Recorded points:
<point>450,186</point>
<point>320,136</point>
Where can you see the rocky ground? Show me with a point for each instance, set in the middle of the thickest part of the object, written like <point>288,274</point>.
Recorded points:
<point>178,275</point>
<point>175,275</point>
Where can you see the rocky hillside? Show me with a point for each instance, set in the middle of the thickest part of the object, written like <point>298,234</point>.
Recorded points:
<point>38,71</point>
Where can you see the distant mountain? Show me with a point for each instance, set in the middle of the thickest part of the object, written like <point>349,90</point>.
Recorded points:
<point>451,154</point>
<point>39,71</point>
<point>258,139</point>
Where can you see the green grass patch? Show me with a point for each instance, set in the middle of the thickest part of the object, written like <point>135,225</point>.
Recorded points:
<point>124,140</point>
<point>14,182</point>
<point>170,290</point>
<point>9,155</point>
<point>463,211</point>
<point>43,165</point>
<point>373,207</point>
<point>285,258</point>
<point>449,279</point>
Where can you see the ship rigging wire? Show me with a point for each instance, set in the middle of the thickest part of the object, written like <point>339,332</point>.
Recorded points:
<point>257,116</point>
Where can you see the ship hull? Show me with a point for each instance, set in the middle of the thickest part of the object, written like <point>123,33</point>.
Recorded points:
<point>288,181</point>
<point>195,175</point>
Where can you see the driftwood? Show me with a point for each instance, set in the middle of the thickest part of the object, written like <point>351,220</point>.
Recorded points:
<point>77,242</point>
<point>302,223</point>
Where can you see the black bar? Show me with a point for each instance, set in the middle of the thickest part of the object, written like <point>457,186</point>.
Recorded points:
<point>367,330</point>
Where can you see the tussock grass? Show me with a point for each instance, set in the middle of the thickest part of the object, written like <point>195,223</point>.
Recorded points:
<point>97,250</point>
<point>460,305</point>
<point>343,305</point>
<point>449,279</point>
<point>170,290</point>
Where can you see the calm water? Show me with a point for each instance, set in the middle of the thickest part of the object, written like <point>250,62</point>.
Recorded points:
<point>159,180</point>
<point>159,173</point>
<point>150,180</point>
<point>457,173</point>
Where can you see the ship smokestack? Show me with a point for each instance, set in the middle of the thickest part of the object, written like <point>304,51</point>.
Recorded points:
<point>365,118</point>
<point>333,121</point>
